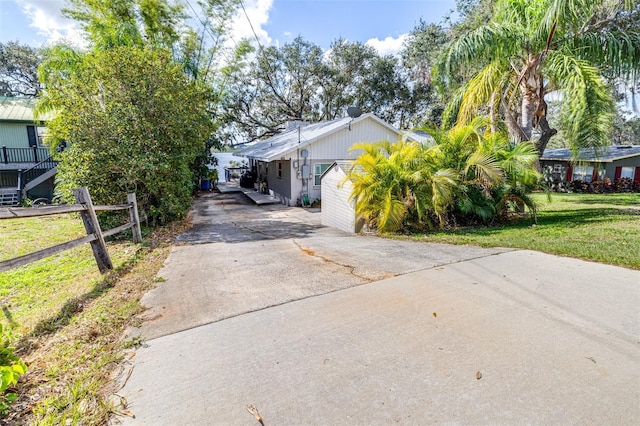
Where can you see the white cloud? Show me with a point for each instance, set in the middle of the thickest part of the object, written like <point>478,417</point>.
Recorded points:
<point>388,46</point>
<point>46,17</point>
<point>257,12</point>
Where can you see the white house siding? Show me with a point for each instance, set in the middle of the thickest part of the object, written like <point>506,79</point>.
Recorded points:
<point>336,147</point>
<point>337,210</point>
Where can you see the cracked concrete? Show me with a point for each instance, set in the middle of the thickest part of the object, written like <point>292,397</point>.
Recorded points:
<point>240,258</point>
<point>351,268</point>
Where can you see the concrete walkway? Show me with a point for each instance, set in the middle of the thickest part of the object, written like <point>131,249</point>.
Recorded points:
<point>263,306</point>
<point>255,196</point>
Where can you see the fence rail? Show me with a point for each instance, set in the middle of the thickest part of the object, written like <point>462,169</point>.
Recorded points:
<point>95,236</point>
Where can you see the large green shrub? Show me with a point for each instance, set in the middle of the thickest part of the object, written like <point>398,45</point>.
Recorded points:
<point>132,122</point>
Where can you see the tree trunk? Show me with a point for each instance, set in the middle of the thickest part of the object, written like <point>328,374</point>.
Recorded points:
<point>547,133</point>
<point>511,120</point>
<point>492,113</point>
<point>527,108</point>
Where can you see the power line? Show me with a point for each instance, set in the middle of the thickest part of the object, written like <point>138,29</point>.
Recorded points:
<point>204,24</point>
<point>250,24</point>
<point>214,38</point>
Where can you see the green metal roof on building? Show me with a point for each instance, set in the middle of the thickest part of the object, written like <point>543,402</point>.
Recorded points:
<point>17,109</point>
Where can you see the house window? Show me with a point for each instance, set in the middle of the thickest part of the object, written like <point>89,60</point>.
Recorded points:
<point>319,169</point>
<point>42,133</point>
<point>279,170</point>
<point>32,135</point>
<point>583,173</point>
<point>626,172</point>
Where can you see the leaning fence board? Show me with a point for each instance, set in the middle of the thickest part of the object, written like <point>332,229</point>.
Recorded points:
<point>15,212</point>
<point>92,226</point>
<point>134,218</point>
<point>32,257</point>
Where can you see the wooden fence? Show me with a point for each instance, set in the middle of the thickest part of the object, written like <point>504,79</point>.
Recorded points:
<point>95,236</point>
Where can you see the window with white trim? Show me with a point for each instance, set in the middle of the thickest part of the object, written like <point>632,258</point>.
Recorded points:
<point>583,173</point>
<point>318,170</point>
<point>626,172</point>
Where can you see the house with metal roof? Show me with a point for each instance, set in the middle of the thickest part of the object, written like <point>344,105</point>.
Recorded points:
<point>290,164</point>
<point>26,166</point>
<point>612,162</point>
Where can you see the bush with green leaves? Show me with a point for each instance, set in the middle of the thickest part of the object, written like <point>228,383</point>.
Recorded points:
<point>133,123</point>
<point>11,368</point>
<point>465,175</point>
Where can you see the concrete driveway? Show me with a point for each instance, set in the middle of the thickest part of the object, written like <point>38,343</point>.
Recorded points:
<point>263,306</point>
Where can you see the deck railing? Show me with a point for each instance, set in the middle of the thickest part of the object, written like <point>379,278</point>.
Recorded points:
<point>33,154</point>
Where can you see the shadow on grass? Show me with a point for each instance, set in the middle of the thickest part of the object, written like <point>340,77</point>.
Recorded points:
<point>582,216</point>
<point>560,218</point>
<point>618,199</point>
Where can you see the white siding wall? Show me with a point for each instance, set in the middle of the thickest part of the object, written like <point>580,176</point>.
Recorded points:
<point>337,211</point>
<point>336,147</point>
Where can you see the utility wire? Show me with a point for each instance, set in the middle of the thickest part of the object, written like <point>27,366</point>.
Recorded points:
<point>250,24</point>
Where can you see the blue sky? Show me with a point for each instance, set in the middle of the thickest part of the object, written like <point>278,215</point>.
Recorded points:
<point>381,23</point>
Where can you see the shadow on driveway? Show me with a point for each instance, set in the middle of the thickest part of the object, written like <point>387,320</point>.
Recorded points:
<point>232,218</point>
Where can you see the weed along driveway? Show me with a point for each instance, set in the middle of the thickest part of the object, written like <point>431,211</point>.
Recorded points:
<point>259,308</point>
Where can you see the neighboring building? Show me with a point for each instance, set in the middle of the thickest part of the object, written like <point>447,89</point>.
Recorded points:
<point>613,162</point>
<point>26,168</point>
<point>338,209</point>
<point>291,163</point>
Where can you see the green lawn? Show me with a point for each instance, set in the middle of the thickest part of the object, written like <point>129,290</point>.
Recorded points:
<point>36,292</point>
<point>599,227</point>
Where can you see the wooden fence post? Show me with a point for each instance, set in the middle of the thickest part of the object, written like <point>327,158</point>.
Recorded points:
<point>92,226</point>
<point>134,218</point>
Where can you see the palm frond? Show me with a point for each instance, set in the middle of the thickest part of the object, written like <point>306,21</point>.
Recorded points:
<point>490,41</point>
<point>615,51</point>
<point>486,169</point>
<point>452,110</point>
<point>391,216</point>
<point>480,90</point>
<point>587,108</point>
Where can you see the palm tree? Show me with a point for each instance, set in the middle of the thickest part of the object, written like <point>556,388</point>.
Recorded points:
<point>495,176</point>
<point>381,178</point>
<point>464,174</point>
<point>532,48</point>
